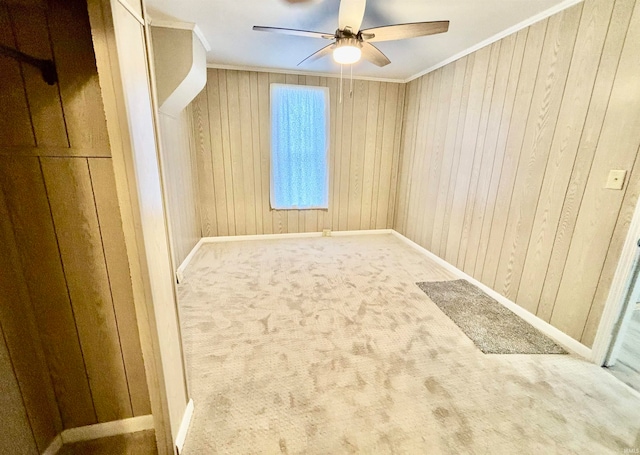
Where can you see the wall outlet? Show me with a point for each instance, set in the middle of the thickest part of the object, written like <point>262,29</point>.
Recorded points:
<point>326,233</point>
<point>615,180</point>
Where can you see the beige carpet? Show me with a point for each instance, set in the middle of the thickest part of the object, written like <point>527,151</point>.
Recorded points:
<point>327,346</point>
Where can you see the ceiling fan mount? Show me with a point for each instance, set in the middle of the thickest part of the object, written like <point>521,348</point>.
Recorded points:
<point>350,43</point>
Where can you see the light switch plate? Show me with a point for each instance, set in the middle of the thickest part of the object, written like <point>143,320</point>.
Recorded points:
<point>615,181</point>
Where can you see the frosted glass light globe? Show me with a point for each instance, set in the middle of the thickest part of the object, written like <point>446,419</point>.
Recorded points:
<point>347,52</point>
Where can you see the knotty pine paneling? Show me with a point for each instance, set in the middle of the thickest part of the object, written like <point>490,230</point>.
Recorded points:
<point>231,130</point>
<point>67,315</point>
<point>505,156</point>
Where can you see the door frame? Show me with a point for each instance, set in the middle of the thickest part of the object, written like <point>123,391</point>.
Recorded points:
<point>619,292</point>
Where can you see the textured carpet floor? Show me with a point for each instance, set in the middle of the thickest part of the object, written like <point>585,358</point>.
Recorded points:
<point>491,326</point>
<point>326,346</point>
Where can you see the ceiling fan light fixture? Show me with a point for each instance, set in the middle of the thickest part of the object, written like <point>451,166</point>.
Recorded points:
<point>347,51</point>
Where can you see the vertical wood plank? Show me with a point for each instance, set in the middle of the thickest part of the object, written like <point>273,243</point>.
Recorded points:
<point>387,145</point>
<point>246,154</point>
<point>338,152</point>
<point>457,152</point>
<point>345,161</point>
<point>23,340</point>
<point>235,149</point>
<point>501,145</point>
<point>584,158</point>
<point>16,436</point>
<point>255,150</point>
<point>104,190</point>
<point>489,150</point>
<point>74,214</point>
<point>600,207</point>
<point>457,73</point>
<point>264,115</point>
<point>356,165</point>
<point>541,124</point>
<point>202,139</point>
<point>432,156</point>
<point>216,161</point>
<point>225,113</point>
<point>440,123</point>
<point>468,155</point>
<point>28,207</point>
<point>15,121</point>
<point>517,125</point>
<point>78,78</point>
<point>569,126</point>
<point>32,36</point>
<point>479,155</point>
<point>395,150</point>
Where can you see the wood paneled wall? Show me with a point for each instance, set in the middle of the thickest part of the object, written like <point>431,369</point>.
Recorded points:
<point>232,134</point>
<point>66,305</point>
<point>506,154</point>
<point>180,183</point>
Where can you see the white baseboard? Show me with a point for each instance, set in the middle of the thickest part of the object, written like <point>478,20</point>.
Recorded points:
<point>187,260</point>
<point>364,232</point>
<point>106,429</point>
<point>293,235</point>
<point>54,447</point>
<point>557,335</point>
<point>184,426</point>
<point>239,238</point>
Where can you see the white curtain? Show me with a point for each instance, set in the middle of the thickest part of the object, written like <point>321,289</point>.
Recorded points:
<point>299,147</point>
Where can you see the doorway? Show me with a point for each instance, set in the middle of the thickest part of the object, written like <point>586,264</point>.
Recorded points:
<point>623,359</point>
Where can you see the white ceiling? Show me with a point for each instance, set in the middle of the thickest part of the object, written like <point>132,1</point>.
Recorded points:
<point>227,24</point>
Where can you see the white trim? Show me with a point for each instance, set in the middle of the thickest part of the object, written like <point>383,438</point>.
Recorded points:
<point>498,36</point>
<point>184,426</point>
<point>183,26</point>
<point>106,429</point>
<point>240,238</point>
<point>619,287</point>
<point>363,232</point>
<point>187,260</point>
<point>132,11</point>
<point>261,69</point>
<point>557,335</point>
<point>54,447</point>
<point>293,235</point>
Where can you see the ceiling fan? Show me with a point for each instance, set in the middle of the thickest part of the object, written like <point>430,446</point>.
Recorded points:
<point>350,43</point>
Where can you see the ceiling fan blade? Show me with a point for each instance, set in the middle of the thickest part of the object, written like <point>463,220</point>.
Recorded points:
<point>351,14</point>
<point>291,31</point>
<point>402,31</point>
<point>319,54</point>
<point>374,55</point>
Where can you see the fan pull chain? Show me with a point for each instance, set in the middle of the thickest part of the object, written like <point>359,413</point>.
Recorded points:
<point>351,82</point>
<point>340,83</point>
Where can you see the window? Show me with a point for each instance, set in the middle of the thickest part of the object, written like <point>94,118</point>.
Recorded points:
<point>299,147</point>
